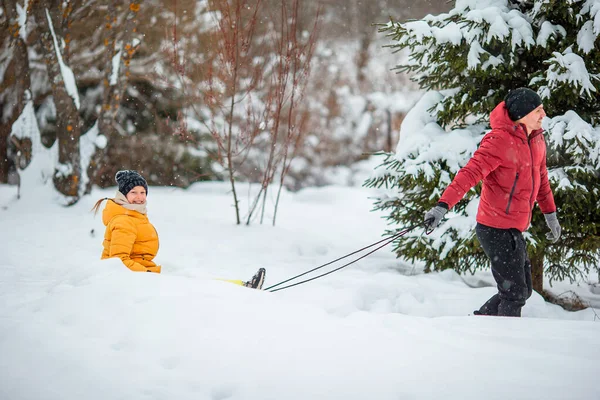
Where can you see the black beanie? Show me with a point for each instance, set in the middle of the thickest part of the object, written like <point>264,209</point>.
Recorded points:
<point>520,102</point>
<point>128,179</point>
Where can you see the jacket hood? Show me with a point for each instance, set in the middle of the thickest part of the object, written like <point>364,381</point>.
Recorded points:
<point>113,209</point>
<point>499,119</point>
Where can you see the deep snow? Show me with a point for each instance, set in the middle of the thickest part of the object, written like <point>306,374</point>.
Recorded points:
<point>73,326</point>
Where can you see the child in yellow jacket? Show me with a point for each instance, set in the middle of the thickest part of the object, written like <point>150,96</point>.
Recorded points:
<point>129,234</point>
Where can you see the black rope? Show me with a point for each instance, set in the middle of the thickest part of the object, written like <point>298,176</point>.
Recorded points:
<point>341,258</point>
<point>386,240</point>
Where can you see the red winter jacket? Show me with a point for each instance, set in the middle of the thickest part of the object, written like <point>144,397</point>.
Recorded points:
<point>513,169</point>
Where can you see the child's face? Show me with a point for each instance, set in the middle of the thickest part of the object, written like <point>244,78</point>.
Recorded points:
<point>137,195</point>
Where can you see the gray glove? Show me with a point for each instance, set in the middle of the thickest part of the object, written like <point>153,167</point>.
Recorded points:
<point>434,216</point>
<point>552,222</point>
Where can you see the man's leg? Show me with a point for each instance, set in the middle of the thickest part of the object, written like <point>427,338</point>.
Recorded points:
<point>490,307</point>
<point>507,257</point>
<point>527,268</point>
<point>516,279</point>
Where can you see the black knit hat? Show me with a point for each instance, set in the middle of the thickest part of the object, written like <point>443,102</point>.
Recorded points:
<point>520,102</point>
<point>128,179</point>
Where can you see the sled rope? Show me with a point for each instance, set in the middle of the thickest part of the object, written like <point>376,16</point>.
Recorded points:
<point>384,241</point>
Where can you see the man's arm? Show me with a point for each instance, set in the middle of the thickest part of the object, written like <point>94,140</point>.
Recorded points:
<point>485,160</point>
<point>545,198</point>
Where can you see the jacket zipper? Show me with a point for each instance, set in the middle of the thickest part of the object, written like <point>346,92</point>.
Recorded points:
<point>532,176</point>
<point>512,192</point>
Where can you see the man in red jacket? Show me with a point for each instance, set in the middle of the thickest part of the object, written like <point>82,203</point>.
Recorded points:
<point>511,161</point>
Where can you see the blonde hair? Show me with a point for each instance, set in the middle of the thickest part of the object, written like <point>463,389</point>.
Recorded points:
<point>97,206</point>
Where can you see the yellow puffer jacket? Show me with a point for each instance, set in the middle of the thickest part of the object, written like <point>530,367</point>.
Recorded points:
<point>131,237</point>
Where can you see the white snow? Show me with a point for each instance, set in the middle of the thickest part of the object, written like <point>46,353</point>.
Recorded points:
<point>586,37</point>
<point>474,53</point>
<point>548,30</point>
<point>22,19</point>
<point>499,20</point>
<point>570,67</point>
<point>591,7</point>
<point>65,70</point>
<point>73,326</point>
<point>577,137</point>
<point>448,34</point>
<point>101,141</point>
<point>424,142</point>
<point>40,171</point>
<point>26,127</point>
<point>116,63</point>
<point>76,327</point>
<point>87,148</point>
<point>522,33</point>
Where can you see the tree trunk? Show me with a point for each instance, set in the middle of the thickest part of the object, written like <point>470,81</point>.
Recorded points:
<point>15,82</point>
<point>127,21</point>
<point>389,142</point>
<point>67,177</point>
<point>4,132</point>
<point>537,270</point>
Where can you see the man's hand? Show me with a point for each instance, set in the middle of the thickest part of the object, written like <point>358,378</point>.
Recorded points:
<point>552,222</point>
<point>434,216</point>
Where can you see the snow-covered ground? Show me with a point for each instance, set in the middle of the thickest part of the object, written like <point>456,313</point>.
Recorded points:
<point>75,327</point>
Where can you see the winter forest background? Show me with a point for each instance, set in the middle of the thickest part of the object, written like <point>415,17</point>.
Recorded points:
<point>291,94</point>
<point>156,78</point>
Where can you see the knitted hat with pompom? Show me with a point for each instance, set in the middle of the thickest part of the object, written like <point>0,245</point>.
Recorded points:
<point>128,179</point>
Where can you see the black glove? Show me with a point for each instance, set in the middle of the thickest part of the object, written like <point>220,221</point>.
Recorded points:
<point>435,215</point>
<point>552,222</point>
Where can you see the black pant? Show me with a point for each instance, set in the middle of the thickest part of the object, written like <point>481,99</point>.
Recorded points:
<point>507,251</point>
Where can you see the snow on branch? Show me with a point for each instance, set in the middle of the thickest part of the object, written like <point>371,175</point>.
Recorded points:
<point>569,68</point>
<point>116,63</point>
<point>590,30</point>
<point>577,137</point>
<point>548,30</point>
<point>423,142</point>
<point>22,12</point>
<point>474,23</point>
<point>65,70</point>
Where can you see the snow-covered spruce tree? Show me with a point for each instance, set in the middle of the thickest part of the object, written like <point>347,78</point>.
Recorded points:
<point>466,61</point>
